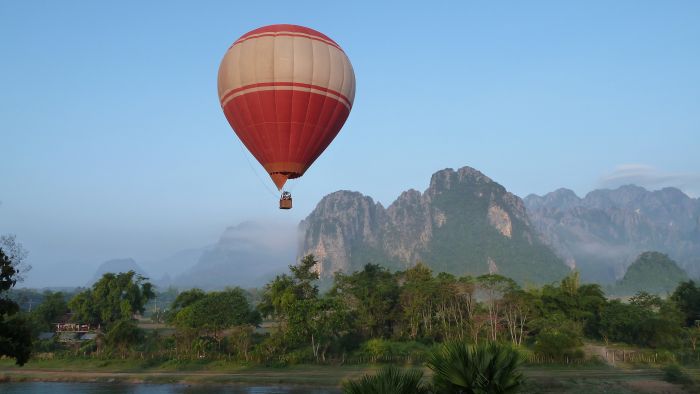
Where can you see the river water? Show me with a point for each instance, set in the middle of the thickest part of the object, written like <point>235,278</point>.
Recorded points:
<point>118,388</point>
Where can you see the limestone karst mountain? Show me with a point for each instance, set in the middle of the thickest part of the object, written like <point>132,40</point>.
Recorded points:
<point>464,223</point>
<point>652,272</point>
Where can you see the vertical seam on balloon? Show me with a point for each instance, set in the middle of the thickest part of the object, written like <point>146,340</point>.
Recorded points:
<point>251,139</point>
<point>244,100</point>
<point>306,113</point>
<point>256,136</point>
<point>324,142</point>
<point>335,110</point>
<point>275,124</point>
<point>291,109</point>
<point>319,141</point>
<point>342,85</point>
<point>305,156</point>
<point>263,135</point>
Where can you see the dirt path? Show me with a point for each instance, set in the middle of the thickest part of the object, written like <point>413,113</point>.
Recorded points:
<point>597,351</point>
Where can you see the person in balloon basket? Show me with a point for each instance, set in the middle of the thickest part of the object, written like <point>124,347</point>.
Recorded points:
<point>286,200</point>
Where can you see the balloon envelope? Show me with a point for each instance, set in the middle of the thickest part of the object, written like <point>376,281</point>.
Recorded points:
<point>286,90</point>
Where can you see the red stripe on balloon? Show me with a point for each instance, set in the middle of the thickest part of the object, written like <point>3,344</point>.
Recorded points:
<point>287,28</point>
<point>240,40</point>
<point>285,84</point>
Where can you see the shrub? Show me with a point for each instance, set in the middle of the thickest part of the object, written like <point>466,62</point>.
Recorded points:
<point>485,368</point>
<point>389,380</point>
<point>674,374</point>
<point>378,350</point>
<point>299,356</point>
<point>558,344</point>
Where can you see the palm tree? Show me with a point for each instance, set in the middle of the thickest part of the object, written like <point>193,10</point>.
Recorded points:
<point>389,380</point>
<point>487,368</point>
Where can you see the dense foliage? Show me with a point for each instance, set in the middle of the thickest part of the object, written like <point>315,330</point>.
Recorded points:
<point>15,332</point>
<point>113,298</point>
<point>372,315</point>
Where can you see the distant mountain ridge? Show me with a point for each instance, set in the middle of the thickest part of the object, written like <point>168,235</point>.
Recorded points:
<point>464,223</point>
<point>116,266</point>
<point>602,233</point>
<point>246,255</point>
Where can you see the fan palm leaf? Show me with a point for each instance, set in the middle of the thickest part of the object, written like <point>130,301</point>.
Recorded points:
<point>490,368</point>
<point>389,380</point>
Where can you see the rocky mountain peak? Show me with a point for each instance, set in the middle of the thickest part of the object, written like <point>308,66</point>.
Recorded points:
<point>561,198</point>
<point>463,223</point>
<point>623,195</point>
<point>447,178</point>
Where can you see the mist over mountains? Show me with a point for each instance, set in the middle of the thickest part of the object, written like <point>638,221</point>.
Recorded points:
<point>602,233</point>
<point>463,223</point>
<point>246,255</point>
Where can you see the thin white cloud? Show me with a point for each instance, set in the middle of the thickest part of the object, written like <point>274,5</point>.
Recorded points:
<point>651,178</point>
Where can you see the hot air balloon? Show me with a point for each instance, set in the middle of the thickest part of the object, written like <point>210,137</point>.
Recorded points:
<point>286,91</point>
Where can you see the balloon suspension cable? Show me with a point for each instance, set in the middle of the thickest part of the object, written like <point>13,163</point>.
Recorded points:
<point>257,175</point>
<point>292,184</point>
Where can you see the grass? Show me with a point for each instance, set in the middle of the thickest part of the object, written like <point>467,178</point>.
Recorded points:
<point>539,379</point>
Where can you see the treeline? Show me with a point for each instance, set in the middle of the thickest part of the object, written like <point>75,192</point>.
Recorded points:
<point>370,315</point>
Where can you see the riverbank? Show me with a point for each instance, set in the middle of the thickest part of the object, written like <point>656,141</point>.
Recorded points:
<point>554,379</point>
<point>303,375</point>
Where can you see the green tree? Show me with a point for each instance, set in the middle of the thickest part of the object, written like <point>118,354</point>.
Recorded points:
<point>240,340</point>
<point>457,309</point>
<point>122,335</point>
<point>330,322</point>
<point>17,254</point>
<point>618,322</point>
<point>183,300</point>
<point>114,297</point>
<point>305,317</point>
<point>15,332</point>
<point>216,312</point>
<point>575,302</point>
<point>687,297</point>
<point>372,294</point>
<point>517,312</point>
<point>418,302</point>
<point>493,289</point>
<point>559,338</point>
<point>693,334</point>
<point>647,321</point>
<point>51,309</point>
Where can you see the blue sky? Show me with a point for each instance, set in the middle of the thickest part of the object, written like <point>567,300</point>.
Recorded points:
<point>113,142</point>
